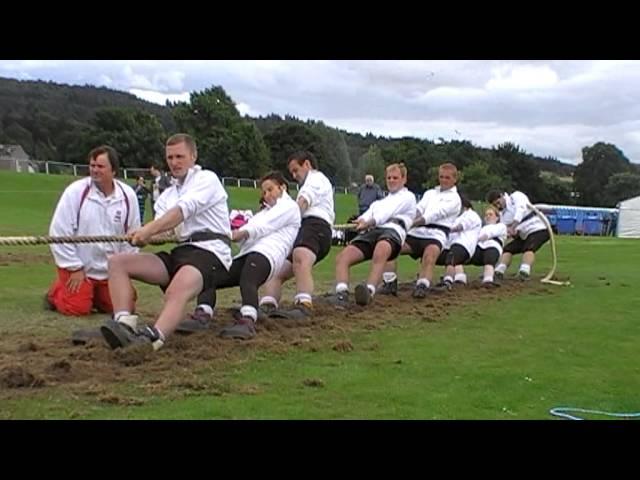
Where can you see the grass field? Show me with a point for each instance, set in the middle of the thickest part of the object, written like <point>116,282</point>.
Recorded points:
<point>509,355</point>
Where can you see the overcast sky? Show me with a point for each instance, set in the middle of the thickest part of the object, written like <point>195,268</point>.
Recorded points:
<point>549,108</point>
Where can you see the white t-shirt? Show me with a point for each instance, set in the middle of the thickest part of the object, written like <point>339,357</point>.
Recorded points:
<point>496,234</point>
<point>515,210</point>
<point>318,192</point>
<point>439,208</point>
<point>272,232</point>
<point>468,237</point>
<point>203,202</point>
<point>99,215</point>
<point>400,205</point>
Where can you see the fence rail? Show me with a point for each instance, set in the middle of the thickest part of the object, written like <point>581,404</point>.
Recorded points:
<point>80,170</point>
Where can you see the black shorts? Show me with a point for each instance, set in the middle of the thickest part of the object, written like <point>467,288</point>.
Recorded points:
<point>482,256</point>
<point>418,245</point>
<point>456,255</point>
<point>314,234</point>
<point>531,244</point>
<point>366,242</point>
<point>207,263</point>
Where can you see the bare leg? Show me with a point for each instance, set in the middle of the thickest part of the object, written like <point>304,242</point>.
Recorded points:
<point>273,288</point>
<point>124,267</point>
<point>184,287</point>
<point>380,256</point>
<point>303,260</point>
<point>349,256</point>
<point>429,258</point>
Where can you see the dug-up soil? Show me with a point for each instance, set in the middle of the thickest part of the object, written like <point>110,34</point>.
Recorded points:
<point>185,364</point>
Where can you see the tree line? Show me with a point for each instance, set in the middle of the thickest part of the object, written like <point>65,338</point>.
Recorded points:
<point>62,123</point>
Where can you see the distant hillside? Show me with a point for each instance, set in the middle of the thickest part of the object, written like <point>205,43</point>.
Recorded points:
<point>43,116</point>
<point>21,97</point>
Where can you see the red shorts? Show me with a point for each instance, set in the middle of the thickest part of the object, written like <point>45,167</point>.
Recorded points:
<point>91,294</point>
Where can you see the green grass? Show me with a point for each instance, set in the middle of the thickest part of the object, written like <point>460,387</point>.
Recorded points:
<point>512,359</point>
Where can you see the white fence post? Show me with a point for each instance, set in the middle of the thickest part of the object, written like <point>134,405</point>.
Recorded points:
<point>75,170</point>
<point>46,167</point>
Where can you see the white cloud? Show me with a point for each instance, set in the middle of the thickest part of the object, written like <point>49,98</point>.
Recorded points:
<point>549,107</point>
<point>158,97</point>
<point>522,77</point>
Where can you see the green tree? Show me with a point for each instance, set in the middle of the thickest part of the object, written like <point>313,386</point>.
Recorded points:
<point>337,165</point>
<point>477,179</point>
<point>136,135</point>
<point>227,143</point>
<point>372,163</point>
<point>599,163</point>
<point>620,187</point>
<point>292,136</point>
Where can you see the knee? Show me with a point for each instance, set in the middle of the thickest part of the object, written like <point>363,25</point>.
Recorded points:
<point>381,254</point>
<point>117,262</point>
<point>177,294</point>
<point>431,255</point>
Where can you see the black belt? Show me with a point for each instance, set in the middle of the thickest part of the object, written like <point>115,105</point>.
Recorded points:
<point>528,217</point>
<point>207,235</point>
<point>398,221</point>
<point>446,230</point>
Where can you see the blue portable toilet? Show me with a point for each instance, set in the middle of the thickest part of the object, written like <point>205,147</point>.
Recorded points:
<point>566,221</point>
<point>593,223</point>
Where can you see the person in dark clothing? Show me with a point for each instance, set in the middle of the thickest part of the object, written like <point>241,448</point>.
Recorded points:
<point>142,192</point>
<point>368,193</point>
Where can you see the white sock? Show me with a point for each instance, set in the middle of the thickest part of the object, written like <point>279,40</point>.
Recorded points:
<point>448,279</point>
<point>342,287</point>
<point>157,345</point>
<point>487,279</point>
<point>206,308</point>
<point>269,300</point>
<point>501,268</point>
<point>461,277</point>
<point>372,289</point>
<point>249,311</point>
<point>525,268</point>
<point>388,277</point>
<point>423,281</point>
<point>302,297</point>
<point>161,335</point>
<point>121,313</point>
<point>129,320</point>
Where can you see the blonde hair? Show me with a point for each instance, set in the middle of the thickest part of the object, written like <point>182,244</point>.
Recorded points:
<point>451,167</point>
<point>493,209</point>
<point>399,166</point>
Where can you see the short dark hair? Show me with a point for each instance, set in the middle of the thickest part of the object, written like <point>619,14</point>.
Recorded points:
<point>301,155</point>
<point>464,201</point>
<point>112,155</point>
<point>276,177</point>
<point>493,195</point>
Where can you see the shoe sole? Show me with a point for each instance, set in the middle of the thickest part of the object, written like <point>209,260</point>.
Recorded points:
<point>187,330</point>
<point>112,335</point>
<point>236,336</point>
<point>362,295</point>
